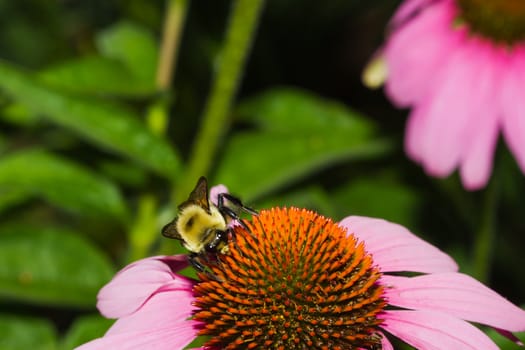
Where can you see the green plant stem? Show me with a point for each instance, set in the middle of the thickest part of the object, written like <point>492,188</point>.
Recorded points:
<point>157,116</point>
<point>484,244</point>
<point>239,36</point>
<point>241,30</point>
<point>144,230</point>
<point>173,24</point>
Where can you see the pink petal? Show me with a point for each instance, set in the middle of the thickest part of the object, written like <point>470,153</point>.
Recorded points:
<point>159,339</point>
<point>445,117</point>
<point>407,9</point>
<point>415,128</point>
<point>476,163</point>
<point>476,166</point>
<point>416,52</point>
<point>513,105</point>
<point>134,284</point>
<point>456,294</point>
<point>436,125</point>
<point>394,248</point>
<point>435,330</point>
<point>174,262</point>
<point>215,191</point>
<point>167,309</point>
<point>161,323</point>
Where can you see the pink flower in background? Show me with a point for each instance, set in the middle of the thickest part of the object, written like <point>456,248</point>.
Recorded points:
<point>460,66</point>
<point>154,304</point>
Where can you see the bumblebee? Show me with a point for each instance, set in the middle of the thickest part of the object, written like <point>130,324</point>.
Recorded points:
<point>203,227</point>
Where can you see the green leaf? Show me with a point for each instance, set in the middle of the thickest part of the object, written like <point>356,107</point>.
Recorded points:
<point>132,45</point>
<point>502,342</point>
<point>61,182</point>
<point>4,143</point>
<point>96,75</point>
<point>298,111</point>
<point>47,265</point>
<point>22,333</point>
<point>312,197</point>
<point>124,173</point>
<point>126,67</point>
<point>10,197</point>
<point>377,196</point>
<point>18,114</point>
<point>85,329</point>
<point>257,164</point>
<point>104,124</point>
<point>293,142</point>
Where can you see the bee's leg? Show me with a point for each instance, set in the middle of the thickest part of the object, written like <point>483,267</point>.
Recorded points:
<point>232,239</point>
<point>235,201</point>
<point>194,261</point>
<point>229,212</point>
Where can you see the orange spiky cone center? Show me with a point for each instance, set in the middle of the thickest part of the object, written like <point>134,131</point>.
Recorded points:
<point>296,280</point>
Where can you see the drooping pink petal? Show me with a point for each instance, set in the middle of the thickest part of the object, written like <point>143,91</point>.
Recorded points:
<point>134,284</point>
<point>513,105</point>
<point>159,339</point>
<point>415,126</point>
<point>215,191</point>
<point>447,114</point>
<point>482,135</point>
<point>435,127</point>
<point>394,248</point>
<point>456,294</point>
<point>167,309</point>
<point>435,331</point>
<point>417,51</point>
<point>161,323</point>
<point>476,167</point>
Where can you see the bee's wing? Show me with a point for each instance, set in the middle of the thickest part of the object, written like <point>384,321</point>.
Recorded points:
<point>199,195</point>
<point>170,230</point>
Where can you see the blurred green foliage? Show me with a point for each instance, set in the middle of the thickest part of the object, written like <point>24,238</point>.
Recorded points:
<point>92,151</point>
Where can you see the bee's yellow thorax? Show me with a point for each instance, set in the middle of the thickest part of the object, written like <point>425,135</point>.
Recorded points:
<point>193,224</point>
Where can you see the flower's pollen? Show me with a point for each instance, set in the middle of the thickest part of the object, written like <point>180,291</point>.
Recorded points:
<point>500,20</point>
<point>297,280</point>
